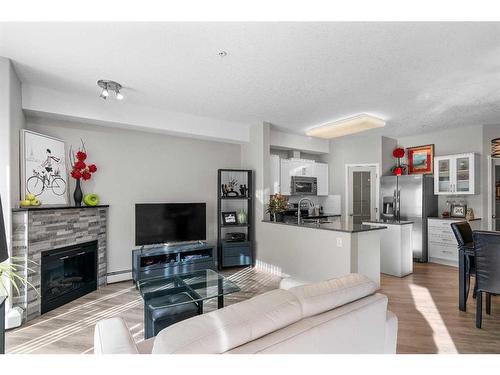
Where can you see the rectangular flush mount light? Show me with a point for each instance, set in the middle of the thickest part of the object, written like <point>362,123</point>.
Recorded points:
<point>346,126</point>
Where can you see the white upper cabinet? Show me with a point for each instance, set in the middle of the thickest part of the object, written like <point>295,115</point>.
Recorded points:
<point>285,175</point>
<point>455,174</point>
<point>275,174</point>
<point>321,173</point>
<point>295,167</point>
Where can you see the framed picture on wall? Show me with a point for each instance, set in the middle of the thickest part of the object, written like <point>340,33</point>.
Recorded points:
<point>420,159</point>
<point>44,171</point>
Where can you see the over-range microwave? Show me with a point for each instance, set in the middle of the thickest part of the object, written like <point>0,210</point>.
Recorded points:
<point>304,185</point>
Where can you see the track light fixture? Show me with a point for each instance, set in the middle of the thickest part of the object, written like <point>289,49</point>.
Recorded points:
<point>107,85</point>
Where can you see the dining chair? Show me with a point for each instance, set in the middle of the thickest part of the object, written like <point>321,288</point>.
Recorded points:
<point>463,235</point>
<point>487,247</point>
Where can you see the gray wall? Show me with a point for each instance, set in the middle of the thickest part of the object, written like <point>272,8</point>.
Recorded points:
<point>455,141</point>
<point>135,167</point>
<point>368,148</point>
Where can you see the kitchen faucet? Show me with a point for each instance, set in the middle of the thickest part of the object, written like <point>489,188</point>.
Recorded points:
<point>298,207</point>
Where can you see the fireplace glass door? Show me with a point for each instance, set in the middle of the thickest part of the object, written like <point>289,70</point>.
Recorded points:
<point>67,274</point>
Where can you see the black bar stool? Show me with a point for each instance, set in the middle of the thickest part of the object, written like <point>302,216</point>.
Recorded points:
<point>487,270</point>
<point>466,250</point>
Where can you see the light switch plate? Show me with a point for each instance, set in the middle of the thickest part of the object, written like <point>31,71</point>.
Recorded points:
<point>339,242</point>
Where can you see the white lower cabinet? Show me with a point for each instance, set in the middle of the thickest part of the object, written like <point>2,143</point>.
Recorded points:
<point>442,245</point>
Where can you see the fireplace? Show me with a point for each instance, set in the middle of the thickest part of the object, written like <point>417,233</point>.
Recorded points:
<point>67,273</point>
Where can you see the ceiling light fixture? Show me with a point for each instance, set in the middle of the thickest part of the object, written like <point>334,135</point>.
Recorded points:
<point>347,126</point>
<point>107,85</point>
<point>222,53</point>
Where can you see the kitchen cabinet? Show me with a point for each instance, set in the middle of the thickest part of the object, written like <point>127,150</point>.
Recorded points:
<point>321,173</point>
<point>456,174</point>
<point>285,170</point>
<point>443,247</point>
<point>275,170</point>
<point>297,167</point>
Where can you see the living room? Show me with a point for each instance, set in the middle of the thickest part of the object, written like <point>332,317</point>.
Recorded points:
<point>200,187</point>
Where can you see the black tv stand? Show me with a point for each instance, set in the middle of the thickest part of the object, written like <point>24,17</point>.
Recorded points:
<point>167,260</point>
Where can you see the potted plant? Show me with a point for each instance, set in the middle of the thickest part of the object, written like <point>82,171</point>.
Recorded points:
<point>278,204</point>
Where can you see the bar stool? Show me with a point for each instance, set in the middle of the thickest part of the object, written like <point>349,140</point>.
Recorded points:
<point>463,235</point>
<point>487,270</point>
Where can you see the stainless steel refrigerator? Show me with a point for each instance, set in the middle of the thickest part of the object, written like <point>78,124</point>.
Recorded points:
<point>410,198</point>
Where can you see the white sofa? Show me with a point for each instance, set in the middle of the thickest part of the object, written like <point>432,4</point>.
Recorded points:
<point>343,315</point>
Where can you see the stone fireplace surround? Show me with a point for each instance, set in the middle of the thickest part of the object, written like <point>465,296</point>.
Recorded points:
<point>35,230</point>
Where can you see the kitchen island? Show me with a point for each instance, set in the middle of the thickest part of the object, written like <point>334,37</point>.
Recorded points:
<point>396,247</point>
<point>319,251</point>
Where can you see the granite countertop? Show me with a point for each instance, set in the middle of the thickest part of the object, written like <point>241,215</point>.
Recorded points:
<point>389,222</point>
<point>337,226</point>
<point>321,216</point>
<point>452,218</point>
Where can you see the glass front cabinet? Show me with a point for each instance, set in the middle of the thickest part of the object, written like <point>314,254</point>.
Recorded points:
<point>455,174</point>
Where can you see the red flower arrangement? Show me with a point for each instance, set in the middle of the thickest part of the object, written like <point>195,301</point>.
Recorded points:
<point>398,153</point>
<point>81,170</point>
<point>399,169</point>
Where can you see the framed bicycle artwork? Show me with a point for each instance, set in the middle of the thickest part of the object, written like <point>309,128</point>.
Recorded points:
<point>43,168</point>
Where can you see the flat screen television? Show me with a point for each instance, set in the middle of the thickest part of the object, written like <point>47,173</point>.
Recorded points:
<point>157,223</point>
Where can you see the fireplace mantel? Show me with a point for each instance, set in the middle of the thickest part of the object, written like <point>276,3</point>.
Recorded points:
<point>56,208</point>
<point>39,229</point>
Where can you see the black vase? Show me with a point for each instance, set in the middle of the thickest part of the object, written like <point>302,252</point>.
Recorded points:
<point>279,217</point>
<point>78,195</point>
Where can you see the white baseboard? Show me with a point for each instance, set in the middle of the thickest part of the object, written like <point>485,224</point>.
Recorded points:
<point>110,279</point>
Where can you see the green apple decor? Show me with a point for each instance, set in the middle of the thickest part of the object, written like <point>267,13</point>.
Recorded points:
<point>91,199</point>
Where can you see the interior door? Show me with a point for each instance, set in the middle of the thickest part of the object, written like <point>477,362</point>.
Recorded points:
<point>362,190</point>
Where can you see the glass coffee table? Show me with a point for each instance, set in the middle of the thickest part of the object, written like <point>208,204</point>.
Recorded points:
<point>170,299</point>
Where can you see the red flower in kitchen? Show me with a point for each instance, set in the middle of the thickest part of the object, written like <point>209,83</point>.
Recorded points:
<point>81,170</point>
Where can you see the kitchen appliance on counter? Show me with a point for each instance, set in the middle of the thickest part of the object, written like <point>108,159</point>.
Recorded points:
<point>302,185</point>
<point>410,198</point>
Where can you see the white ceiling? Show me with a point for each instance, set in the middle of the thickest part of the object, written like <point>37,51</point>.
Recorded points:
<point>293,75</point>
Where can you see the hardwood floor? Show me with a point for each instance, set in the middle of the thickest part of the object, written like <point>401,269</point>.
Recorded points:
<point>425,302</point>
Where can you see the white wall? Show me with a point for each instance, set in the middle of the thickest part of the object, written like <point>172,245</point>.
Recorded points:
<point>356,149</point>
<point>135,167</point>
<point>255,155</point>
<point>91,108</point>
<point>291,141</point>
<point>11,121</point>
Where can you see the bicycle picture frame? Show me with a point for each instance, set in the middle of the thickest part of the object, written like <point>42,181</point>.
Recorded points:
<point>44,171</point>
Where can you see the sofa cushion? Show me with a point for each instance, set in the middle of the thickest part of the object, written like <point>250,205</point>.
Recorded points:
<point>225,329</point>
<point>112,336</point>
<point>327,295</point>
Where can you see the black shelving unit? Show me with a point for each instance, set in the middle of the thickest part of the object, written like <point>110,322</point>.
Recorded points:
<point>231,254</point>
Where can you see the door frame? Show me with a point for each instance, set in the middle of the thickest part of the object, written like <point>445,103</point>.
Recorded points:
<point>377,186</point>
